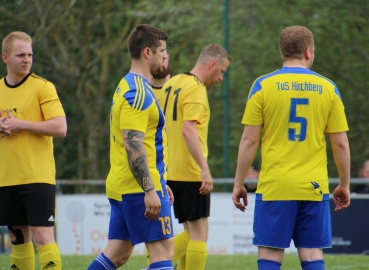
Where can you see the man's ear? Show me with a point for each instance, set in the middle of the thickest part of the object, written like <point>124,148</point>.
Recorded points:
<point>5,57</point>
<point>308,53</point>
<point>147,53</point>
<point>212,64</point>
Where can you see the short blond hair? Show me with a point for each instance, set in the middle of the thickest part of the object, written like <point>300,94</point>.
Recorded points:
<point>12,37</point>
<point>213,52</point>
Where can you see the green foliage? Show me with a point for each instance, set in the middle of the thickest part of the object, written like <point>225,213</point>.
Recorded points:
<point>81,47</point>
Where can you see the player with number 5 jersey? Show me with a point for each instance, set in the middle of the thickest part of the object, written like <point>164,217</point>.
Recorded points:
<point>310,105</point>
<point>292,109</point>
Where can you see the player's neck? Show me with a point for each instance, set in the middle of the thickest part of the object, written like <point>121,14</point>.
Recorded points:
<point>139,68</point>
<point>295,63</point>
<point>14,79</point>
<point>199,73</point>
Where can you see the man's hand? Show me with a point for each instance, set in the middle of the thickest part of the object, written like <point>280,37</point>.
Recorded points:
<point>341,197</point>
<point>153,205</point>
<point>3,127</point>
<point>10,125</point>
<point>207,182</point>
<point>239,192</point>
<point>170,194</point>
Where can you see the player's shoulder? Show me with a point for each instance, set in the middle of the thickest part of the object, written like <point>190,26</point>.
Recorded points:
<point>323,78</point>
<point>134,81</point>
<point>267,76</point>
<point>136,90</point>
<point>40,82</point>
<point>184,81</point>
<point>38,77</point>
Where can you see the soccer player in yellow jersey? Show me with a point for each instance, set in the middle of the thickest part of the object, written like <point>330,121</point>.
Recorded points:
<point>136,183</point>
<point>291,109</point>
<point>186,108</point>
<point>30,116</point>
<point>157,82</point>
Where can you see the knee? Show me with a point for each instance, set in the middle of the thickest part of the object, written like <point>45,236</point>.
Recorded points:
<point>43,235</point>
<point>16,236</point>
<point>310,254</point>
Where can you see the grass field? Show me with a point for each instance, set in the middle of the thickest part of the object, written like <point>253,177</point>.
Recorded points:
<point>219,262</point>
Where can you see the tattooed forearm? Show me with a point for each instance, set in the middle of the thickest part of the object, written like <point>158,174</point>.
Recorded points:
<point>141,173</point>
<point>137,159</point>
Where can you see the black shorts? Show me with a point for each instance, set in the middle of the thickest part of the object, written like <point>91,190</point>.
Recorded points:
<point>189,204</point>
<point>31,204</point>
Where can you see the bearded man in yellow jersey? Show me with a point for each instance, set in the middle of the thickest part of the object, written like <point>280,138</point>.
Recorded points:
<point>186,108</point>
<point>291,109</point>
<point>30,116</point>
<point>136,184</point>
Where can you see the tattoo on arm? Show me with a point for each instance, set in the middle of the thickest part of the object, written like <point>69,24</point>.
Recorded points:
<point>137,159</point>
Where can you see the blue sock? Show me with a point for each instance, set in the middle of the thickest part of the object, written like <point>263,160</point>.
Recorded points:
<point>313,265</point>
<point>167,265</point>
<point>101,262</point>
<point>264,264</point>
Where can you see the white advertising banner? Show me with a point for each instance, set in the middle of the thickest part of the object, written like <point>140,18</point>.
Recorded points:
<point>82,225</point>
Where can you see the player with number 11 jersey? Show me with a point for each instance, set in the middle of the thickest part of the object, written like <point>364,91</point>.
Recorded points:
<point>186,98</point>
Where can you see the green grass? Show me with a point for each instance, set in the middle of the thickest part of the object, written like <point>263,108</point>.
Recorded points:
<point>219,262</point>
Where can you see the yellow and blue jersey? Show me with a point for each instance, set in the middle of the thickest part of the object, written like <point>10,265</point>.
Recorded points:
<point>295,107</point>
<point>135,107</point>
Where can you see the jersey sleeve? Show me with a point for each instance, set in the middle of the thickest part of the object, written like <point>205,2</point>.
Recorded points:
<point>253,114</point>
<point>49,101</point>
<point>135,111</point>
<point>194,104</point>
<point>337,118</point>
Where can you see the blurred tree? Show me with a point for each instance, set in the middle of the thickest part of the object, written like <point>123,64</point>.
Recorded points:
<point>342,49</point>
<point>81,47</point>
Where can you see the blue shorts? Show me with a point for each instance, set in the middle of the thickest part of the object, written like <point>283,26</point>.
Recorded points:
<point>127,220</point>
<point>307,223</point>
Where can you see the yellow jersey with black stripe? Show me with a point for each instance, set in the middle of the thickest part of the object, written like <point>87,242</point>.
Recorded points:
<point>295,107</point>
<point>135,107</point>
<point>26,157</point>
<point>185,98</point>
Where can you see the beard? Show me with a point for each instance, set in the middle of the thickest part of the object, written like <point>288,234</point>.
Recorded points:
<point>162,73</point>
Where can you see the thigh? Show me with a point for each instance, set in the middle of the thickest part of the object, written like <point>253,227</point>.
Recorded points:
<point>39,201</point>
<point>12,210</point>
<point>140,228</point>
<point>274,223</point>
<point>313,225</point>
<point>189,204</point>
<point>31,204</point>
<point>118,228</point>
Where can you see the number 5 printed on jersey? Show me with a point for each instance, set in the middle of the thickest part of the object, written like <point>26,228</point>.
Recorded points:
<point>292,136</point>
